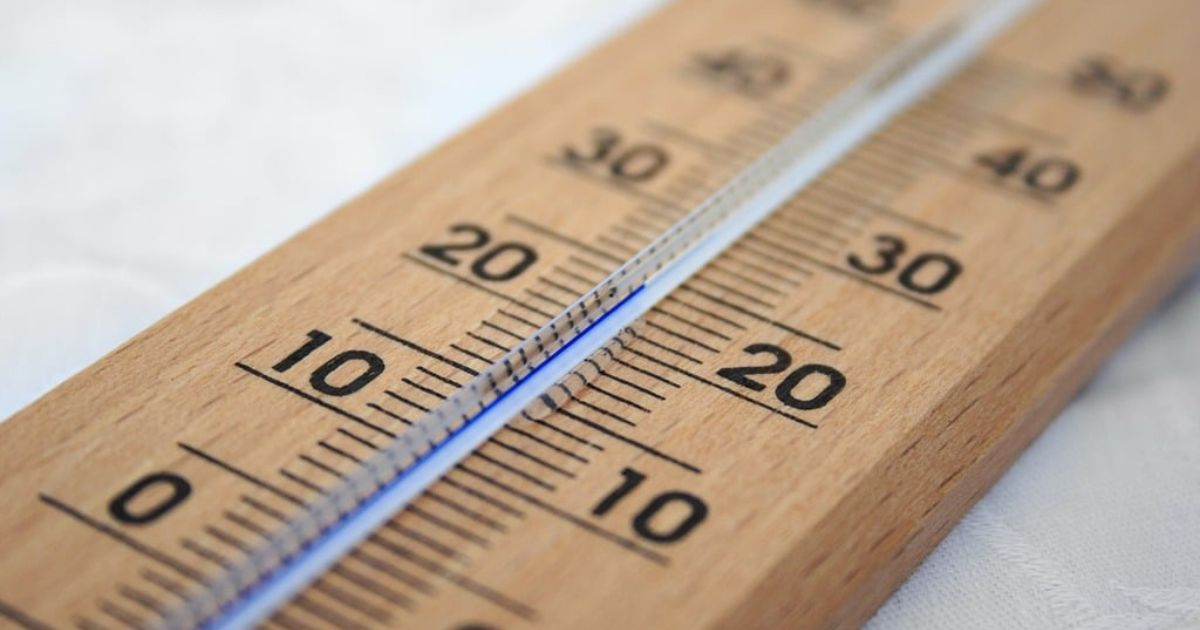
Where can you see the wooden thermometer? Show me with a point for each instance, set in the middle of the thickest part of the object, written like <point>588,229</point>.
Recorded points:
<point>723,326</point>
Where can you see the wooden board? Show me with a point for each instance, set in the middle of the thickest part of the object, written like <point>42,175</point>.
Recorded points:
<point>925,307</point>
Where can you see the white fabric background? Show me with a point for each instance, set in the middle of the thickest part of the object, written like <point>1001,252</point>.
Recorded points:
<point>148,149</point>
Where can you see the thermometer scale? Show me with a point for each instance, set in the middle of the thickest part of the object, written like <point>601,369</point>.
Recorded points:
<point>725,325</point>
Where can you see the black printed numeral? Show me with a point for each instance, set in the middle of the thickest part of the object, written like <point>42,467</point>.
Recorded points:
<point>748,73</point>
<point>629,162</point>
<point>810,386</point>
<point>926,273</point>
<point>149,498</point>
<point>344,374</point>
<point>493,262</point>
<point>1133,89</point>
<point>683,511</point>
<point>1048,175</point>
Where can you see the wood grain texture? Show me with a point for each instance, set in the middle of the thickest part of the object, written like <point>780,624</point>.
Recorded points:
<point>812,514</point>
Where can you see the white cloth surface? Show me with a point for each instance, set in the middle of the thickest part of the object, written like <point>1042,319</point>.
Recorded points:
<point>148,149</point>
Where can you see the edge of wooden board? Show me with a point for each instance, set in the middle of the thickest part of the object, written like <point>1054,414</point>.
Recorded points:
<point>889,543</point>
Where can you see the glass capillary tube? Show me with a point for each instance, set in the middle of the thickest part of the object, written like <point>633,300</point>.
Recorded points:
<point>270,573</point>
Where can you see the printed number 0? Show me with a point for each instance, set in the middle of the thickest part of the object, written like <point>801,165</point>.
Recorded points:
<point>120,507</point>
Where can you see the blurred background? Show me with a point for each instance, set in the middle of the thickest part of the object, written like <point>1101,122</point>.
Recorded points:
<point>149,149</point>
